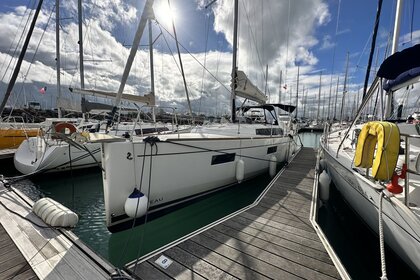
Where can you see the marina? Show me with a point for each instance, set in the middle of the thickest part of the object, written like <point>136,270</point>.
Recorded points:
<point>272,239</point>
<point>280,223</point>
<point>210,139</point>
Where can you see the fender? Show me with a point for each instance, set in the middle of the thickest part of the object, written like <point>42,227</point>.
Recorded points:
<point>385,137</point>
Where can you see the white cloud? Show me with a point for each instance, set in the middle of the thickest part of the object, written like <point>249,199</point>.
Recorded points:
<point>327,43</point>
<point>264,39</point>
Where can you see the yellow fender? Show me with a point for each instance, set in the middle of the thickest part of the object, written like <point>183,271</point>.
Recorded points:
<point>385,136</point>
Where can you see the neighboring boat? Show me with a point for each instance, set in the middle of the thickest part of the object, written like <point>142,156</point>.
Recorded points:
<point>368,174</point>
<point>13,131</point>
<point>147,174</point>
<point>66,145</point>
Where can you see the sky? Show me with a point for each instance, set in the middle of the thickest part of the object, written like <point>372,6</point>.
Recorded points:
<point>313,37</point>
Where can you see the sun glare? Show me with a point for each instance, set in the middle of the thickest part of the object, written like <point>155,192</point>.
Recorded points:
<point>164,14</point>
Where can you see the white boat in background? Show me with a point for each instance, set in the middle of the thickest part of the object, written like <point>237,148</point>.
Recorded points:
<point>147,174</point>
<point>378,178</point>
<point>56,150</point>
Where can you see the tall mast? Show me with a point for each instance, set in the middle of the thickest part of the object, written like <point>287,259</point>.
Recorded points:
<point>394,49</point>
<point>336,97</point>
<point>57,52</point>
<point>82,69</point>
<point>281,73</point>
<point>234,50</point>
<point>20,59</point>
<point>266,82</point>
<point>147,13</point>
<point>319,96</point>
<point>152,72</point>
<point>297,92</point>
<point>304,101</point>
<point>343,99</point>
<point>397,24</point>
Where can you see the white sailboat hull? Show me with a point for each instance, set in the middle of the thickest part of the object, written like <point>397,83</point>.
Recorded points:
<point>34,155</point>
<point>401,225</point>
<point>181,169</point>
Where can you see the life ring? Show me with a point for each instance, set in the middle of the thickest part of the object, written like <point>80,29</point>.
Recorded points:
<point>63,127</point>
<point>385,136</point>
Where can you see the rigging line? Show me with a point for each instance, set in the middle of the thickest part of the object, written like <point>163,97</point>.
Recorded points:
<point>333,57</point>
<point>167,44</point>
<point>208,71</point>
<point>182,67</point>
<point>17,45</point>
<point>33,57</point>
<point>287,44</point>
<point>16,34</point>
<point>137,205</point>
<point>205,61</point>
<point>412,20</point>
<point>141,243</point>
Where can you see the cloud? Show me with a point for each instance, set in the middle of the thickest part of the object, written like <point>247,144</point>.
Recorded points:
<point>265,38</point>
<point>327,43</point>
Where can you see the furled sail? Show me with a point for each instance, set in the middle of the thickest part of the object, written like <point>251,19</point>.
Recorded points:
<point>244,88</point>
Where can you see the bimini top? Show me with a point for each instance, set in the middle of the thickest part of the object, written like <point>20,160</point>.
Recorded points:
<point>269,107</point>
<point>400,68</point>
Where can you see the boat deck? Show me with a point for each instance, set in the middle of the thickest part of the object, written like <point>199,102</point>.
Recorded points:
<point>31,250</point>
<point>272,239</point>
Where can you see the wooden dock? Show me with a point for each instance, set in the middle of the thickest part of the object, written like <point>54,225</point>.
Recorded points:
<point>272,239</point>
<point>31,250</point>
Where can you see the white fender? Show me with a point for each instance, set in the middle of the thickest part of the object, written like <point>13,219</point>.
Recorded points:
<point>136,201</point>
<point>324,186</point>
<point>273,166</point>
<point>240,170</point>
<point>54,214</point>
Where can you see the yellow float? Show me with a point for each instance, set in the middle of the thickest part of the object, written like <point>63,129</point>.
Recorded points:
<point>385,137</point>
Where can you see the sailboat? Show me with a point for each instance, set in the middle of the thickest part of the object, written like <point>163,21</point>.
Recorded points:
<point>148,174</point>
<point>379,179</point>
<point>64,144</point>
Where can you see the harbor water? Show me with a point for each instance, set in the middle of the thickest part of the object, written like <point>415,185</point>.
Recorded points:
<point>356,245</point>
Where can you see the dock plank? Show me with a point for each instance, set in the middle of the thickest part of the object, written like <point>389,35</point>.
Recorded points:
<point>12,263</point>
<point>274,239</point>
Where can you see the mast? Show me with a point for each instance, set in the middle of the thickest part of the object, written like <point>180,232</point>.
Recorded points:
<point>147,13</point>
<point>372,48</point>
<point>266,82</point>
<point>319,96</point>
<point>235,46</point>
<point>297,92</point>
<point>20,59</point>
<point>336,97</point>
<point>394,49</point>
<point>82,69</point>
<point>152,72</point>
<point>281,73</point>
<point>57,52</point>
<point>304,102</point>
<point>344,89</point>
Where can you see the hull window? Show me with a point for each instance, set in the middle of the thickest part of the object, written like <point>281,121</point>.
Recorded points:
<point>219,159</point>
<point>271,150</point>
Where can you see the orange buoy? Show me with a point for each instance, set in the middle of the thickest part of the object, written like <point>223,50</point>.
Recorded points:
<point>394,187</point>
